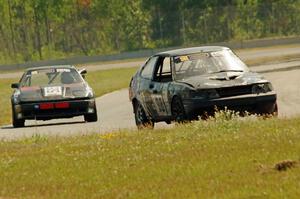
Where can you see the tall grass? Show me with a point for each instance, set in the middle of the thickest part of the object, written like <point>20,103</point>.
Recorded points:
<point>219,158</point>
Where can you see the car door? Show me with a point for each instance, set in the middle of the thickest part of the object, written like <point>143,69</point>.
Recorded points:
<point>162,78</point>
<point>145,84</point>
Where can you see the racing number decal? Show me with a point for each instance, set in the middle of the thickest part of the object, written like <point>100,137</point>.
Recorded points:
<point>52,91</point>
<point>159,104</point>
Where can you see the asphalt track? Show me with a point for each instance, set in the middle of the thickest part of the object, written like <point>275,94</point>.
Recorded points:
<point>115,110</point>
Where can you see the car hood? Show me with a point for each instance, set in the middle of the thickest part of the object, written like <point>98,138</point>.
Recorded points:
<point>224,79</point>
<point>53,92</point>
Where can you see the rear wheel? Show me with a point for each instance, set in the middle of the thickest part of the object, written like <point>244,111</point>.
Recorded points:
<point>141,119</point>
<point>91,117</point>
<point>17,123</point>
<point>178,112</point>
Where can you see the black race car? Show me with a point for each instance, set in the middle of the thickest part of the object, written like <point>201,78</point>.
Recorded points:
<point>52,92</point>
<point>187,83</point>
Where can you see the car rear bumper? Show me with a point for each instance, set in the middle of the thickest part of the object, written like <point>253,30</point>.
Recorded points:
<point>55,109</point>
<point>251,103</point>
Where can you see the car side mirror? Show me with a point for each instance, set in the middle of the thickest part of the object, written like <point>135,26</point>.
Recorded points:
<point>83,72</point>
<point>15,85</point>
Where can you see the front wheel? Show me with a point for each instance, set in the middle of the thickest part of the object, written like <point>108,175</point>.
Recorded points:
<point>178,112</point>
<point>275,110</point>
<point>141,119</point>
<point>270,109</point>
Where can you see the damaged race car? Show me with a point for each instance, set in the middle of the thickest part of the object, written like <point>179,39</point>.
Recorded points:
<point>45,93</point>
<point>186,84</point>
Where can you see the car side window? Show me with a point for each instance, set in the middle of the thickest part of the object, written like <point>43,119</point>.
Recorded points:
<point>147,71</point>
<point>163,70</point>
<point>166,67</point>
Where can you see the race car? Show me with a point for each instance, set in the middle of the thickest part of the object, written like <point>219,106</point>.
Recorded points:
<point>45,93</point>
<point>191,83</point>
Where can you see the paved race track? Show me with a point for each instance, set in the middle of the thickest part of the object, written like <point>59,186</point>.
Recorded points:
<point>287,85</point>
<point>115,111</point>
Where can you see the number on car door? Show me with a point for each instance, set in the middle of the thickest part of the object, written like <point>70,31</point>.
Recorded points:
<point>159,89</point>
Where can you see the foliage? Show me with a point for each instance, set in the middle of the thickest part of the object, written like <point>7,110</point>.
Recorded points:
<point>39,29</point>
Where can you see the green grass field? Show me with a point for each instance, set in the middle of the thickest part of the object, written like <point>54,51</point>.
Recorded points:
<point>207,159</point>
<point>101,81</point>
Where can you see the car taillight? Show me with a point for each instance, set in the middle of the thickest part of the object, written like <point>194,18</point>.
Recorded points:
<point>46,106</point>
<point>62,105</point>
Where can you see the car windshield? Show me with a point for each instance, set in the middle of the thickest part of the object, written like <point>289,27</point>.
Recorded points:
<point>207,63</point>
<point>44,77</point>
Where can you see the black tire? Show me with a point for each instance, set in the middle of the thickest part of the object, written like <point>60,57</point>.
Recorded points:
<point>141,119</point>
<point>270,110</point>
<point>275,110</point>
<point>178,112</point>
<point>17,123</point>
<point>92,117</point>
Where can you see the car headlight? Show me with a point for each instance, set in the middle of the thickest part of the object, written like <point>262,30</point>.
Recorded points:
<point>198,94</point>
<point>205,94</point>
<point>262,88</point>
<point>212,94</point>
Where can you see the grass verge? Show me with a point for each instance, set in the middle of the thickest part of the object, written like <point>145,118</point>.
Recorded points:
<point>101,81</point>
<point>5,92</point>
<point>212,159</point>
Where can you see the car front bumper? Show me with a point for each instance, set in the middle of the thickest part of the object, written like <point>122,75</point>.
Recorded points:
<point>55,109</point>
<point>252,103</point>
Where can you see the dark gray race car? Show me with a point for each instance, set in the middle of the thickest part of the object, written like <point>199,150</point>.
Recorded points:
<point>52,92</point>
<point>186,83</point>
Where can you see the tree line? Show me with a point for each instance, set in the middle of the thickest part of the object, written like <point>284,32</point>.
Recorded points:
<point>50,29</point>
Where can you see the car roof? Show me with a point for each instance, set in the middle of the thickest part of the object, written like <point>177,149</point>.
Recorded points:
<point>186,51</point>
<point>51,67</point>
